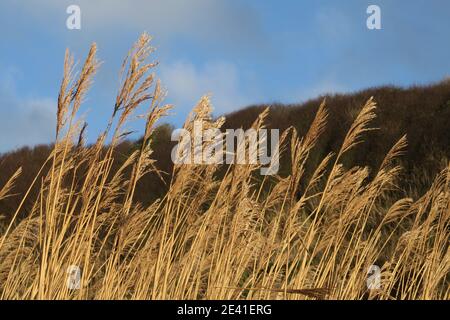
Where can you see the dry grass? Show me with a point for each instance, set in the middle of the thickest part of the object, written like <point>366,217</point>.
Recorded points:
<point>211,238</point>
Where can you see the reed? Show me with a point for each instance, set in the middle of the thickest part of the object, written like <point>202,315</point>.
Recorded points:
<point>233,237</point>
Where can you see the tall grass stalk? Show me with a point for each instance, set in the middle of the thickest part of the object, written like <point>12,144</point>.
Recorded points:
<point>218,234</point>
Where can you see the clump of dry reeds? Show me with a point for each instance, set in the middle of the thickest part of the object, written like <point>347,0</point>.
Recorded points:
<point>237,237</point>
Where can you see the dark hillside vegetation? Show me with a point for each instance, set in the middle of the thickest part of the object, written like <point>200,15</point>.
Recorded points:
<point>420,112</point>
<point>102,221</point>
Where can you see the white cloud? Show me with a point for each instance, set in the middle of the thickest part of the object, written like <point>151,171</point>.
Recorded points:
<point>24,121</point>
<point>328,85</point>
<point>221,21</point>
<point>186,84</point>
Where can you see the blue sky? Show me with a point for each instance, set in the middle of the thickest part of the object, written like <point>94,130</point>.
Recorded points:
<point>242,52</point>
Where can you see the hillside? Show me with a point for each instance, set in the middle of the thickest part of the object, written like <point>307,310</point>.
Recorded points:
<point>353,212</point>
<point>421,112</point>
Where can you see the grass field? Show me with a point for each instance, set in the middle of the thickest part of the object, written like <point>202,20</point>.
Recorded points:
<point>219,232</point>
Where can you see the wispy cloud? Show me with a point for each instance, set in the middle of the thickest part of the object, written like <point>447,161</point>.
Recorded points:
<point>230,23</point>
<point>23,120</point>
<point>186,83</point>
<point>328,85</point>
